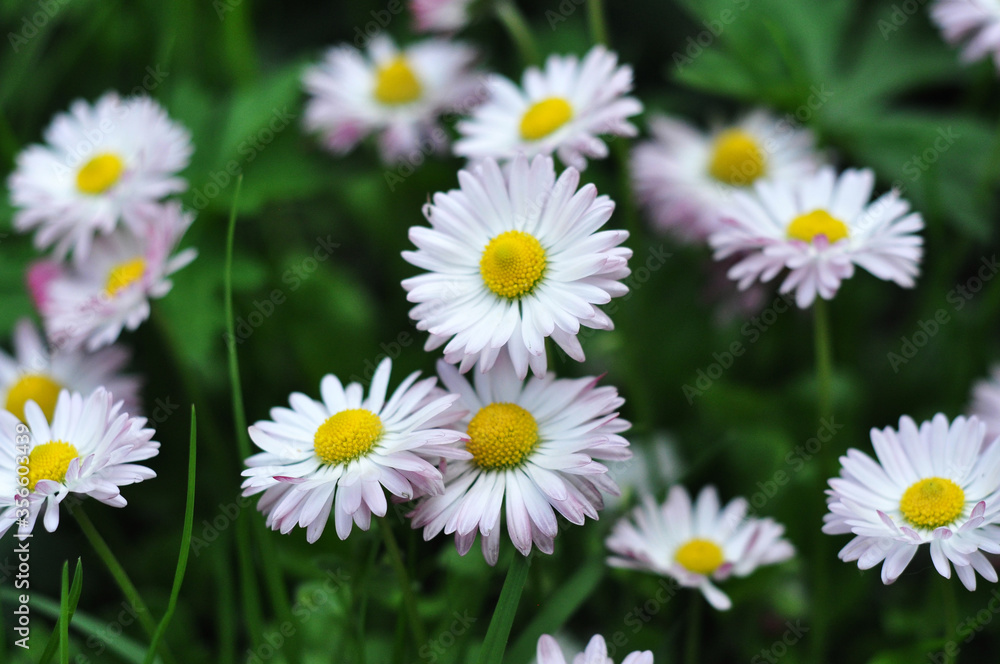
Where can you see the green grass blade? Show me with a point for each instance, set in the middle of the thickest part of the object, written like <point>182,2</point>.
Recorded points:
<point>64,616</point>
<point>503,616</point>
<point>182,557</point>
<point>74,598</point>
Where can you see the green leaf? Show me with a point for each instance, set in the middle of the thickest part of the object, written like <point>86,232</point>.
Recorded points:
<point>503,616</point>
<point>74,597</point>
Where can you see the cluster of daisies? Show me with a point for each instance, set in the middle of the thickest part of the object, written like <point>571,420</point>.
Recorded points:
<point>96,196</point>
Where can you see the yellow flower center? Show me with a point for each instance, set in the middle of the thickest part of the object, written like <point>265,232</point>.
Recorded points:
<point>49,461</point>
<point>807,226</point>
<point>512,264</point>
<point>396,83</point>
<point>99,174</point>
<point>736,158</point>
<point>33,387</point>
<point>544,117</point>
<point>501,436</point>
<point>346,436</point>
<point>124,275</point>
<point>932,503</point>
<point>700,556</point>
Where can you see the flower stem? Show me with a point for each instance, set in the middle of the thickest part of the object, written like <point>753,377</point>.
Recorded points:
<point>824,399</point>
<point>598,24</point>
<point>950,614</point>
<point>517,27</point>
<point>694,630</point>
<point>824,359</point>
<point>409,600</point>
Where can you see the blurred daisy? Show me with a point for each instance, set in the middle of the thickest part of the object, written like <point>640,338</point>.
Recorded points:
<point>90,448</point>
<point>440,15</point>
<point>37,374</point>
<point>397,92</point>
<point>512,260</point>
<point>685,177</point>
<point>986,404</point>
<point>339,453</point>
<point>975,22</point>
<point>534,448</point>
<point>819,228</point>
<point>89,304</point>
<point>697,544</point>
<point>936,484</point>
<point>596,653</point>
<point>99,163</point>
<point>562,109</point>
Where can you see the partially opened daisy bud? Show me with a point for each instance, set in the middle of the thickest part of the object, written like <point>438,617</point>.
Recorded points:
<point>535,449</point>
<point>562,109</point>
<point>697,544</point>
<point>975,22</point>
<point>37,374</point>
<point>99,162</point>
<point>90,448</point>
<point>685,177</point>
<point>986,404</point>
<point>440,15</point>
<point>513,259</point>
<point>935,484</point>
<point>596,653</point>
<point>343,452</point>
<point>819,228</point>
<point>397,92</point>
<point>90,303</point>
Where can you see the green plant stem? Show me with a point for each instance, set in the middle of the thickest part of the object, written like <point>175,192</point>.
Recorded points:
<point>598,24</point>
<point>694,630</point>
<point>517,27</point>
<point>950,614</point>
<point>409,600</point>
<point>824,400</point>
<point>495,643</point>
<point>132,595</point>
<point>824,359</point>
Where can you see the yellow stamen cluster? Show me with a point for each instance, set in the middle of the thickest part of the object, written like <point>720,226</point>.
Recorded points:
<point>700,556</point>
<point>99,174</point>
<point>49,461</point>
<point>544,117</point>
<point>124,275</point>
<point>396,83</point>
<point>512,264</point>
<point>347,435</point>
<point>807,227</point>
<point>932,503</point>
<point>502,435</point>
<point>736,158</point>
<point>33,387</point>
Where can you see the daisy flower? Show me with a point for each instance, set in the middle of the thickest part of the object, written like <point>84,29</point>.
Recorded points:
<point>819,228</point>
<point>396,92</point>
<point>99,163</point>
<point>512,260</point>
<point>88,304</point>
<point>37,374</point>
<point>936,484</point>
<point>561,109</point>
<point>596,653</point>
<point>89,448</point>
<point>440,15</point>
<point>697,544</point>
<point>339,453</point>
<point>685,177</point>
<point>986,404</point>
<point>534,451</point>
<point>976,22</point>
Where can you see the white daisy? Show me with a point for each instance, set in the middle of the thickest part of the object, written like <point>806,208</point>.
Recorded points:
<point>90,448</point>
<point>596,653</point>
<point>337,454</point>
<point>37,374</point>
<point>88,304</point>
<point>697,544</point>
<point>99,162</point>
<point>975,22</point>
<point>397,92</point>
<point>819,228</point>
<point>534,451</point>
<point>512,260</point>
<point>685,177</point>
<point>440,15</point>
<point>561,109</point>
<point>936,484</point>
<point>986,404</point>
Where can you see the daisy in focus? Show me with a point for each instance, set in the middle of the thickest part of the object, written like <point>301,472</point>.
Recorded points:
<point>38,374</point>
<point>90,448</point>
<point>100,162</point>
<point>513,259</point>
<point>562,109</point>
<point>936,484</point>
<point>685,177</point>
<point>398,93</point>
<point>975,22</point>
<point>342,453</point>
<point>819,228</point>
<point>596,653</point>
<point>440,15</point>
<point>986,404</point>
<point>88,304</point>
<point>535,448</point>
<point>697,544</point>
